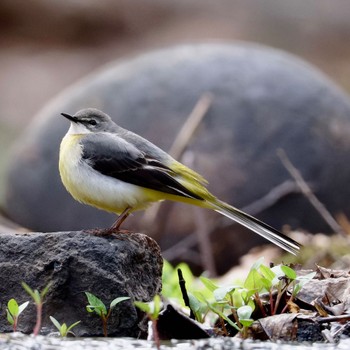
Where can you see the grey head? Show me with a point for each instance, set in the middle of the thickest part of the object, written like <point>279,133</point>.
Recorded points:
<point>93,120</point>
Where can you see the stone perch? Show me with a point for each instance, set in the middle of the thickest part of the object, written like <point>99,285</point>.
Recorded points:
<point>124,264</point>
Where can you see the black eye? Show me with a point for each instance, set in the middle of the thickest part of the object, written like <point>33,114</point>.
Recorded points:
<point>92,122</point>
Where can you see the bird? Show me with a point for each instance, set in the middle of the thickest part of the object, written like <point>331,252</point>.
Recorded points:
<point>108,167</point>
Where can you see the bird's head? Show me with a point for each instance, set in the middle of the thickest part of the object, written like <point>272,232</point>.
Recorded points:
<point>89,120</point>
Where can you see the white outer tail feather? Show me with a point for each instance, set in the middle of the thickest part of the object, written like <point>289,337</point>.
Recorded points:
<point>258,227</point>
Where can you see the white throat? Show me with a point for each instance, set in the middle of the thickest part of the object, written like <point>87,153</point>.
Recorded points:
<point>77,128</point>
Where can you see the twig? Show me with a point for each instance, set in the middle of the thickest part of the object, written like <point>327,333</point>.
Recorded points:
<point>190,126</point>
<point>185,297</point>
<point>177,149</point>
<point>306,190</point>
<point>180,247</point>
<point>202,232</point>
<point>272,197</point>
<point>333,318</point>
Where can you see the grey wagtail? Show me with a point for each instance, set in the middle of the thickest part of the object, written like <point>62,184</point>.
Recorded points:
<point>108,167</point>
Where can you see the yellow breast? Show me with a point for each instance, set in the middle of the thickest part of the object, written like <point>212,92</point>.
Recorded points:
<point>70,155</point>
<point>88,186</point>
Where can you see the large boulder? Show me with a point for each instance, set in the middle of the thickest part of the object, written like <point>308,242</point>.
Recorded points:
<point>125,264</point>
<point>263,100</point>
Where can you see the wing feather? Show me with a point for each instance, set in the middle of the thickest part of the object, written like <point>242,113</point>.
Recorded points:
<point>113,156</point>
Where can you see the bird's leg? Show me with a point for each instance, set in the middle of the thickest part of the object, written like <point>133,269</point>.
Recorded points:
<point>121,218</point>
<point>114,228</point>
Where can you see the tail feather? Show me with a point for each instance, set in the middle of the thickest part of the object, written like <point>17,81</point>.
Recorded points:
<point>258,227</point>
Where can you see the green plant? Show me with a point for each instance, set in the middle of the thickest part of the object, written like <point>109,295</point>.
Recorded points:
<point>63,328</point>
<point>13,312</point>
<point>237,305</point>
<point>152,310</point>
<point>38,298</point>
<point>170,280</point>
<point>280,282</point>
<point>98,307</point>
<point>234,304</point>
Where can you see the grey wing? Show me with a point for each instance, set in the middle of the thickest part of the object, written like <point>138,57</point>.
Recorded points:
<point>112,156</point>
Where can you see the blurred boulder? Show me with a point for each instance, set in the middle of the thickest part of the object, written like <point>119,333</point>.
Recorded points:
<point>263,100</point>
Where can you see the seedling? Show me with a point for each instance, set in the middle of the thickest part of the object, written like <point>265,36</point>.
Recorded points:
<point>234,305</point>
<point>229,301</point>
<point>98,307</point>
<point>152,310</point>
<point>63,328</point>
<point>38,298</point>
<point>13,311</point>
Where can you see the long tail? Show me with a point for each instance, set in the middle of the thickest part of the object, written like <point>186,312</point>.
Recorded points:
<point>257,226</point>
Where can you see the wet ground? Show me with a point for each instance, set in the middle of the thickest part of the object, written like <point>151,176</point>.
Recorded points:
<point>19,342</point>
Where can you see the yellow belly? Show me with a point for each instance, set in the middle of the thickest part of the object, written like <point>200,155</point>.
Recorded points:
<point>88,186</point>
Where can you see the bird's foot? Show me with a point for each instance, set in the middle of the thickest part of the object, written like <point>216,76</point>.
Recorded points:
<point>105,232</point>
<point>96,231</point>
<point>114,229</point>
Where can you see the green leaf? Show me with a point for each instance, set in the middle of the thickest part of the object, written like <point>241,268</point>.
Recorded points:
<point>31,292</point>
<point>22,307</point>
<point>236,297</point>
<point>72,326</point>
<point>143,306</point>
<point>221,292</point>
<point>223,316</point>
<point>253,281</point>
<point>199,295</point>
<point>170,282</point>
<point>13,307</point>
<point>267,272</point>
<point>209,284</point>
<point>244,312</point>
<point>45,290</point>
<point>151,308</point>
<point>95,305</point>
<point>195,304</point>
<point>10,319</point>
<point>117,301</point>
<point>186,273</point>
<point>199,308</point>
<point>37,298</point>
<point>246,322</point>
<point>157,305</point>
<point>290,273</point>
<point>56,323</point>
<point>63,330</point>
<point>277,270</point>
<point>266,283</point>
<point>258,263</point>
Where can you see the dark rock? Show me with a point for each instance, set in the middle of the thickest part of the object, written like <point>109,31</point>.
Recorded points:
<point>172,324</point>
<point>264,99</point>
<point>309,331</point>
<point>78,262</point>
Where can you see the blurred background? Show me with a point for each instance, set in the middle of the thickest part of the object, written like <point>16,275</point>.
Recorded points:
<point>46,45</point>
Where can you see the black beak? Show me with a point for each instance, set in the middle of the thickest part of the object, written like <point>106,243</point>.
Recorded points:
<point>70,117</point>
